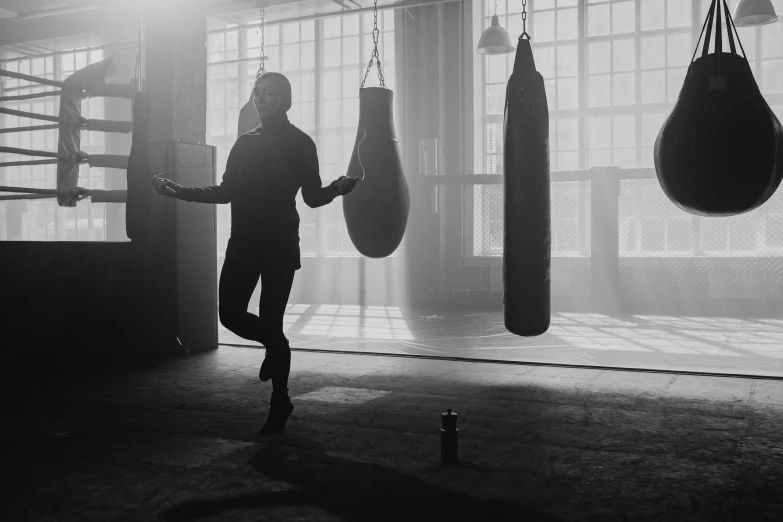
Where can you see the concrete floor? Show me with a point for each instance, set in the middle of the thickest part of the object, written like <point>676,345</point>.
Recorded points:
<point>722,345</point>
<point>179,442</point>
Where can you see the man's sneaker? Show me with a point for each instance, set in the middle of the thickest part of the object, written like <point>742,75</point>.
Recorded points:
<point>279,411</point>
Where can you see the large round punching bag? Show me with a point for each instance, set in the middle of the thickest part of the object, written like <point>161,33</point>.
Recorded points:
<point>526,209</point>
<point>376,211</point>
<point>720,152</point>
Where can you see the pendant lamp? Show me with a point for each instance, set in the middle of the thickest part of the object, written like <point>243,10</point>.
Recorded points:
<point>754,12</point>
<point>495,39</point>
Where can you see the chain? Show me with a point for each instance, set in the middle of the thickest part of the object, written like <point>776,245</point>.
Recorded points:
<point>261,68</point>
<point>375,33</point>
<point>524,19</point>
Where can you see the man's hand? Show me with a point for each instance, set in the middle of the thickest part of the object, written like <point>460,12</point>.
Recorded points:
<point>166,187</point>
<point>344,185</point>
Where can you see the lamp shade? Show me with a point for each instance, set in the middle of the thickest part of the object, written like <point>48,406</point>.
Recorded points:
<point>754,12</point>
<point>495,40</point>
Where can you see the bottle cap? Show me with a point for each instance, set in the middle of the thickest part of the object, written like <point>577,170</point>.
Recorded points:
<point>449,419</point>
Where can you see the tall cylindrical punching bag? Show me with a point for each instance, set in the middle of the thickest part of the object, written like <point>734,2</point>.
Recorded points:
<point>376,211</point>
<point>720,151</point>
<point>526,209</point>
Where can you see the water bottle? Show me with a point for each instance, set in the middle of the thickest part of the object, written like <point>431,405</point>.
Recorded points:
<point>449,437</point>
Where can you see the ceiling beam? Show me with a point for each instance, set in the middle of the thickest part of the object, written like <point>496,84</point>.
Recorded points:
<point>13,32</point>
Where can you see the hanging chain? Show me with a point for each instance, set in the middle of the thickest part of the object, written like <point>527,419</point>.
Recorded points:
<point>261,68</point>
<point>524,20</point>
<point>375,33</point>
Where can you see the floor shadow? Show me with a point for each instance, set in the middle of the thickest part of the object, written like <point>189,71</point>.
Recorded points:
<point>352,490</point>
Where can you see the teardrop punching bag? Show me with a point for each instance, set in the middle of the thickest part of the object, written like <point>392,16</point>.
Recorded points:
<point>526,209</point>
<point>248,117</point>
<point>720,152</point>
<point>376,211</point>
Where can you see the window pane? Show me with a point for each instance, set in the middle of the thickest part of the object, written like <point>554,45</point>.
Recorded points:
<point>598,17</point>
<point>331,85</point>
<point>331,27</point>
<point>291,57</point>
<point>543,27</point>
<point>678,50</point>
<point>307,86</point>
<point>568,134</point>
<point>545,61</point>
<point>678,13</point>
<point>772,40</point>
<point>308,55</point>
<point>567,26</point>
<point>494,136</point>
<point>496,68</point>
<point>308,30</point>
<point>568,94</point>
<point>351,24</point>
<point>624,57</point>
<point>496,98</point>
<point>623,17</point>
<point>747,37</point>
<point>332,53</point>
<point>624,132</point>
<point>599,53</point>
<point>599,90</point>
<point>653,86</point>
<point>567,60</point>
<point>653,52</point>
<point>624,89</point>
<point>652,14</point>
<point>651,126</point>
<point>773,76</point>
<point>351,50</point>
<point>600,132</point>
<point>351,83</point>
<point>675,79</point>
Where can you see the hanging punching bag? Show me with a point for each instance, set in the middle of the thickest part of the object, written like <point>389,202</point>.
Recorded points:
<point>526,209</point>
<point>248,117</point>
<point>376,211</point>
<point>720,152</point>
<point>139,201</point>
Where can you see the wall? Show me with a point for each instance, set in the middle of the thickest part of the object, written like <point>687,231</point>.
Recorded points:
<point>70,302</point>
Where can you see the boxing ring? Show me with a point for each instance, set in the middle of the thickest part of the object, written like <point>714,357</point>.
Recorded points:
<point>154,294</point>
<point>85,83</point>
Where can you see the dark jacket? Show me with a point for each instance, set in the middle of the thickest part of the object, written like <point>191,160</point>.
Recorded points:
<point>265,170</point>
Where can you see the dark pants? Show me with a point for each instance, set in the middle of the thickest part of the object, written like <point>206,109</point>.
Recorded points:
<point>238,278</point>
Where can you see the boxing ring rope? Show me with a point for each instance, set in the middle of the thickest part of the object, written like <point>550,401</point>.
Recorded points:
<point>98,196</point>
<point>29,128</point>
<point>75,91</point>
<point>22,97</point>
<point>90,90</point>
<point>125,127</point>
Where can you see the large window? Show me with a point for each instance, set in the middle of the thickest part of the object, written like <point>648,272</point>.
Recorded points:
<point>613,70</point>
<point>44,220</point>
<point>325,60</point>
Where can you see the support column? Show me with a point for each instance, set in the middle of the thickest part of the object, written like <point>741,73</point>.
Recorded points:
<point>180,247</point>
<point>605,249</point>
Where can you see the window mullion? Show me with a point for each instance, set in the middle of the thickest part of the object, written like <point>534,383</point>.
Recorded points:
<point>319,229</point>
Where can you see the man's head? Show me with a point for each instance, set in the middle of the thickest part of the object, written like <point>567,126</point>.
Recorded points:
<point>271,95</point>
